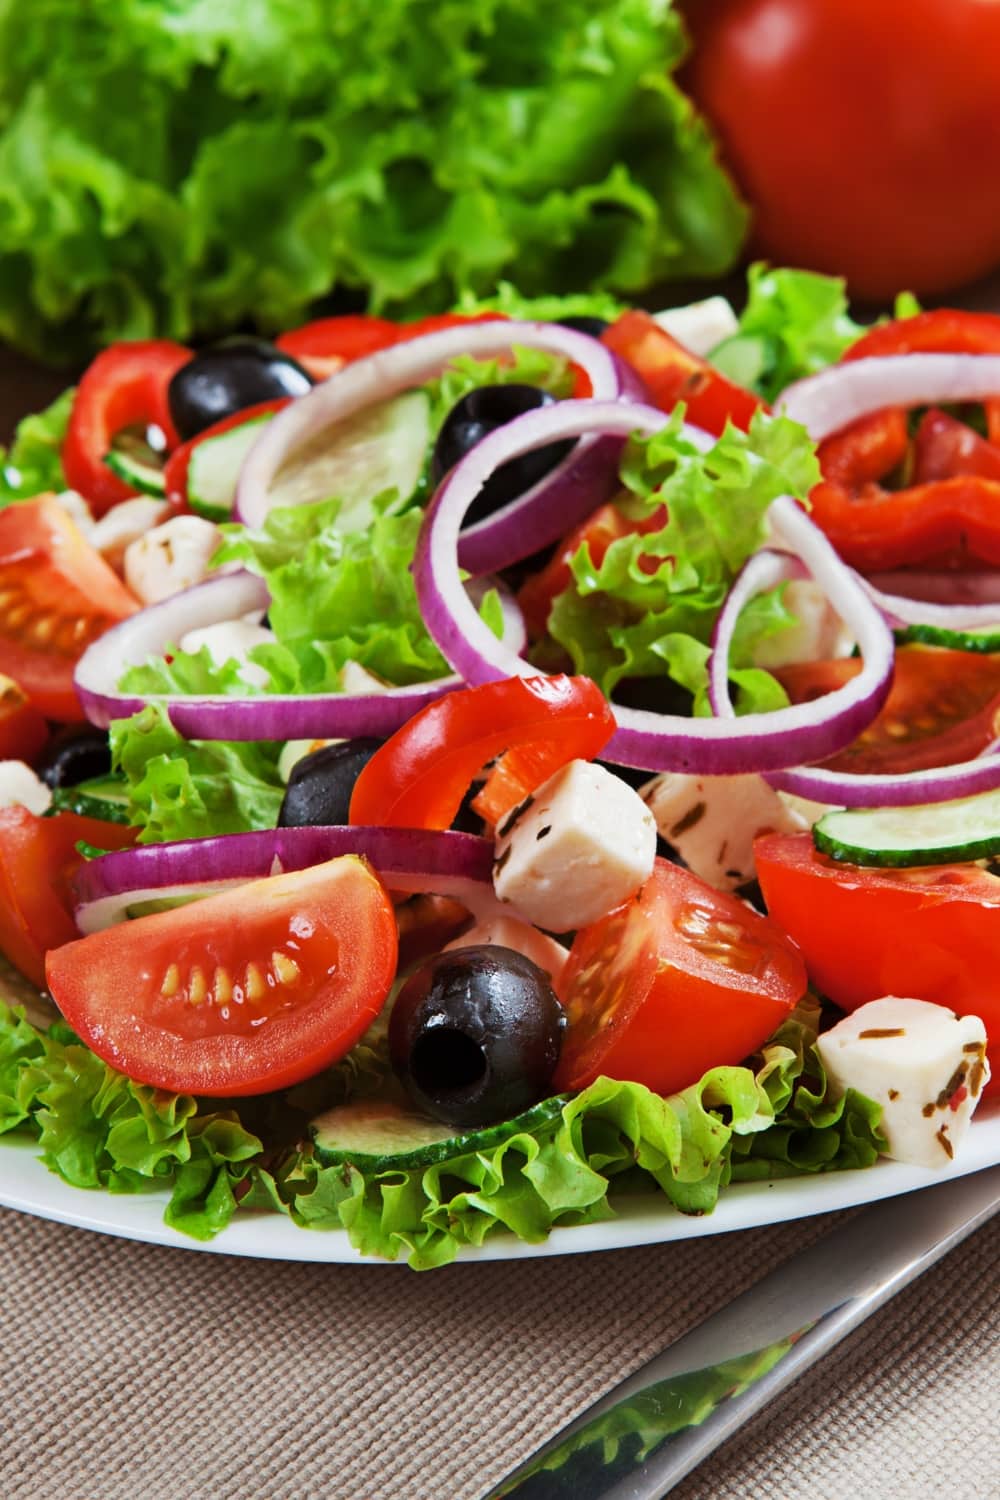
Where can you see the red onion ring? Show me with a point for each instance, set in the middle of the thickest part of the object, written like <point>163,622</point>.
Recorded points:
<point>839,395</point>
<point>940,588</point>
<point>267,716</point>
<point>655,742</point>
<point>459,865</point>
<point>765,570</point>
<point>900,610</point>
<point>539,516</point>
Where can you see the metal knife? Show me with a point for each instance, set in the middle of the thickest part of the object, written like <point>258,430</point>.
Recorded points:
<point>654,1427</point>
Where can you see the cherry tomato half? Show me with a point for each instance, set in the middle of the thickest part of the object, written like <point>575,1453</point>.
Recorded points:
<point>679,980</point>
<point>925,934</point>
<point>22,729</point>
<point>241,993</point>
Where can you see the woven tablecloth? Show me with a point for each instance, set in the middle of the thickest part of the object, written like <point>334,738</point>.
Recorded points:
<point>130,1370</point>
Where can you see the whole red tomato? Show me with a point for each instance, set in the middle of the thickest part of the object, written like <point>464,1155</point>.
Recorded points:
<point>861,131</point>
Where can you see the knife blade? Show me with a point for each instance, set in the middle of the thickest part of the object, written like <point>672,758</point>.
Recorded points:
<point>642,1437</point>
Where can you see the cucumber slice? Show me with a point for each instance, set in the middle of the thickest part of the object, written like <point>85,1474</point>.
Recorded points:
<point>102,797</point>
<point>134,461</point>
<point>215,466</point>
<point>897,837</point>
<point>984,641</point>
<point>376,1135</point>
<point>742,358</point>
<point>381,448</point>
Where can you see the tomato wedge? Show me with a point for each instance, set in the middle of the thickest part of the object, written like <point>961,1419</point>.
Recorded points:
<point>925,934</point>
<point>672,374</point>
<point>57,594</point>
<point>38,858</point>
<point>22,729</point>
<point>244,992</point>
<point>679,980</point>
<point>419,776</point>
<point>943,707</point>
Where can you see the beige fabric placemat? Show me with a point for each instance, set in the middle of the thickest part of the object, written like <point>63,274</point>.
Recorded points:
<point>132,1371</point>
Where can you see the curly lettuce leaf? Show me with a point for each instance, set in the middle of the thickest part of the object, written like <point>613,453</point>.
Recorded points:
<point>32,465</point>
<point>523,367</point>
<point>200,171</point>
<point>547,308</point>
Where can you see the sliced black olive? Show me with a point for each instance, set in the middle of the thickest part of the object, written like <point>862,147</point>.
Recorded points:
<point>320,786</point>
<point>75,754</point>
<point>480,412</point>
<point>594,326</point>
<point>229,377</point>
<point>474,1035</point>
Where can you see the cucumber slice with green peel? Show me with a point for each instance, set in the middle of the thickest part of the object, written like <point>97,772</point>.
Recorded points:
<point>899,837</point>
<point>985,641</point>
<point>214,468</point>
<point>742,358</point>
<point>161,903</point>
<point>102,797</point>
<point>376,1135</point>
<point>135,462</point>
<point>381,448</point>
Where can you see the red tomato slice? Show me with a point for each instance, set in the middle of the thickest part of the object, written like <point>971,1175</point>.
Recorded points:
<point>924,934</point>
<point>682,979</point>
<point>673,374</point>
<point>38,857</point>
<point>22,728</point>
<point>57,594</point>
<point>421,774</point>
<point>244,992</point>
<point>943,707</point>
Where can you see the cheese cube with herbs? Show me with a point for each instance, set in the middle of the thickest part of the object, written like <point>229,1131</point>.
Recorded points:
<point>578,847</point>
<point>926,1066</point>
<point>712,821</point>
<point>170,558</point>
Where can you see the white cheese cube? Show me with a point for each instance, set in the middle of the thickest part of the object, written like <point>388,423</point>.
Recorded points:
<point>925,1066</point>
<point>170,558</point>
<point>507,932</point>
<point>124,524</point>
<point>700,326</point>
<point>233,640</point>
<point>818,634</point>
<point>712,821</point>
<point>20,787</point>
<point>578,847</point>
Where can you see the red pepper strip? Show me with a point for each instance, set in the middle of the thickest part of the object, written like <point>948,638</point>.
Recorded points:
<point>124,386</point>
<point>673,374</point>
<point>953,504</point>
<point>176,472</point>
<point>419,776</point>
<point>324,346</point>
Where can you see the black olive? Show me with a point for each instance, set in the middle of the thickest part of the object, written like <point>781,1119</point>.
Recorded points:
<point>320,786</point>
<point>658,695</point>
<point>466,820</point>
<point>229,377</point>
<point>594,326</point>
<point>481,412</point>
<point>75,754</point>
<point>474,1035</point>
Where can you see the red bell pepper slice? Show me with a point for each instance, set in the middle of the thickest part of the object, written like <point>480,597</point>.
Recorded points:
<point>324,346</point>
<point>124,386</point>
<point>673,374</point>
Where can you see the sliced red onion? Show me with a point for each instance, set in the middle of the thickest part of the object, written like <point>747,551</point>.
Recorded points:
<point>459,865</point>
<point>537,518</point>
<point>655,742</point>
<point>957,587</point>
<point>765,570</point>
<point>270,716</point>
<point>900,610</point>
<point>912,789</point>
<point>839,395</point>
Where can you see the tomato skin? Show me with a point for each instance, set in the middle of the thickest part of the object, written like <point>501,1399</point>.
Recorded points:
<point>23,731</point>
<point>38,858</point>
<point>924,934</point>
<point>192,1000</point>
<point>673,374</point>
<point>57,594</point>
<point>175,473</point>
<point>420,775</point>
<point>682,979</point>
<point>126,384</point>
<point>858,130</point>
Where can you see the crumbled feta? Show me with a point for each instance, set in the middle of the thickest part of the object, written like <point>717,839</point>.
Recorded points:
<point>233,640</point>
<point>926,1066</point>
<point>170,558</point>
<point>124,524</point>
<point>700,326</point>
<point>507,932</point>
<point>579,846</point>
<point>712,821</point>
<point>20,787</point>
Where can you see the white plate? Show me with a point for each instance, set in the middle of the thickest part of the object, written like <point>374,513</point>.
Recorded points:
<point>26,1185</point>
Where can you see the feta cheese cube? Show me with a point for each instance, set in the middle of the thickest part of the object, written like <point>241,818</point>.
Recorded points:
<point>818,633</point>
<point>712,821</point>
<point>578,847</point>
<point>20,787</point>
<point>507,932</point>
<point>700,326</point>
<point>233,640</point>
<point>926,1066</point>
<point>124,524</point>
<point>170,558</point>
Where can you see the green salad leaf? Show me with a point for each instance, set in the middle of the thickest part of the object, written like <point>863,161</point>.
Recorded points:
<point>200,168</point>
<point>547,308</point>
<point>648,608</point>
<point>32,464</point>
<point>523,367</point>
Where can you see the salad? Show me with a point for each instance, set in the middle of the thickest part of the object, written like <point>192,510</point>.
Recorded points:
<point>507,761</point>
